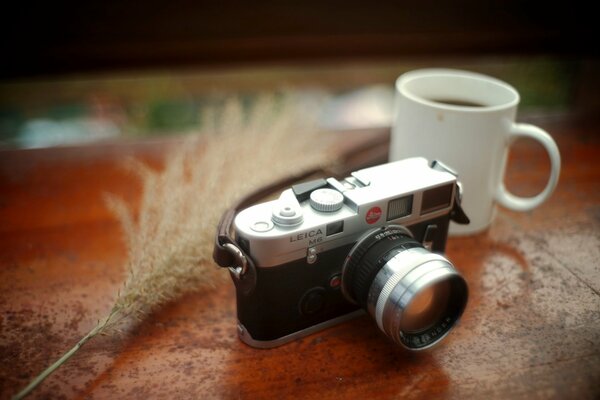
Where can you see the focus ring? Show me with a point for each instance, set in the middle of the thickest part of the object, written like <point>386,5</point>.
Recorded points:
<point>358,276</point>
<point>355,257</point>
<point>372,261</point>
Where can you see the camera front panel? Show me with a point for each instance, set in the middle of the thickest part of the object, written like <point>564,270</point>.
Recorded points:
<point>293,297</point>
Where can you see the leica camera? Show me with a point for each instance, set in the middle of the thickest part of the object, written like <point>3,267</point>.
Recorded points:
<point>328,250</point>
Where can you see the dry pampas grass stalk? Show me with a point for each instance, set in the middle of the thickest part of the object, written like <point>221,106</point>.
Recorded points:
<point>170,241</point>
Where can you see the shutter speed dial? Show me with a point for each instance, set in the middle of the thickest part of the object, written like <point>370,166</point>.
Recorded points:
<point>326,200</point>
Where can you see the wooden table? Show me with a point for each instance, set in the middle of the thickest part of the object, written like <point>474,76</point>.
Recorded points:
<point>531,329</point>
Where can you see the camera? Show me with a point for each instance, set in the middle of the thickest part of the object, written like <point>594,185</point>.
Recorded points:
<point>328,250</point>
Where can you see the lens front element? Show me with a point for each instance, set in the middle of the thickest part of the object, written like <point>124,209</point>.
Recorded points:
<point>414,295</point>
<point>426,308</point>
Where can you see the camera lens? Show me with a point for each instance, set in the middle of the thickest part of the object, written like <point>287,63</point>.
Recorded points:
<point>415,296</point>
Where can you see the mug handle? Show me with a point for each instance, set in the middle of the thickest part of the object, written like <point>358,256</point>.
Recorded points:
<point>509,200</point>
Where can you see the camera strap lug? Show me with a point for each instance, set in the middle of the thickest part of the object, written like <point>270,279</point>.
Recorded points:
<point>228,254</point>
<point>241,269</point>
<point>241,262</point>
<point>458,214</point>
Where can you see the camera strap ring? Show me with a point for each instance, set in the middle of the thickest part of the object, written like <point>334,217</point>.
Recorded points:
<point>241,261</point>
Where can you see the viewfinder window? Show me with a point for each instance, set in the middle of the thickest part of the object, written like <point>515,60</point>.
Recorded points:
<point>436,198</point>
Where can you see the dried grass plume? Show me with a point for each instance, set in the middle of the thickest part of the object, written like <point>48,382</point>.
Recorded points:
<point>169,240</point>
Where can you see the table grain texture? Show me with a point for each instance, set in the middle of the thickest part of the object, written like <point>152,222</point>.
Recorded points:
<point>531,328</point>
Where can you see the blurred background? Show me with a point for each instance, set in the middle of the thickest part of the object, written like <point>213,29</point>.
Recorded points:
<point>102,71</point>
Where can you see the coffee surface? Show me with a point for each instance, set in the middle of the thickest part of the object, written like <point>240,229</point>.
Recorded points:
<point>456,102</point>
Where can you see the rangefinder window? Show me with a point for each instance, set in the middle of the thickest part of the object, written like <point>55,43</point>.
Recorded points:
<point>400,207</point>
<point>436,199</point>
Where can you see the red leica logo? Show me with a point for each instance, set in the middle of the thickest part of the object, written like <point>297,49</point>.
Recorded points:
<point>373,215</point>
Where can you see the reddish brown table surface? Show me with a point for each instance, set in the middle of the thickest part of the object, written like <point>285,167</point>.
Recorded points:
<point>531,329</point>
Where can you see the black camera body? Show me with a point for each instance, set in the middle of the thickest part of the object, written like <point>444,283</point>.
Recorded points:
<point>326,250</point>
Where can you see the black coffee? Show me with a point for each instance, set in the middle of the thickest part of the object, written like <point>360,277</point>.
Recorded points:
<point>462,103</point>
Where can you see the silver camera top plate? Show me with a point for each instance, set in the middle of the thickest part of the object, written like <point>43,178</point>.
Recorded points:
<point>404,192</point>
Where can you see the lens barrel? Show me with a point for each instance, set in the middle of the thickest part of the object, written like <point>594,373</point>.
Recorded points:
<point>415,296</point>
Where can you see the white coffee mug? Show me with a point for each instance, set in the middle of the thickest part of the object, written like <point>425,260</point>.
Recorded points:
<point>467,121</point>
